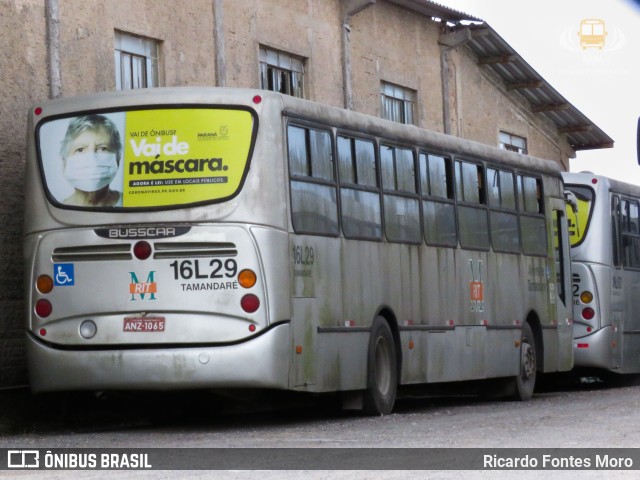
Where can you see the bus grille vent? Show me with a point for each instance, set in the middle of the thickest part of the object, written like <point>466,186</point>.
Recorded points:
<point>576,278</point>
<point>195,249</point>
<point>86,253</point>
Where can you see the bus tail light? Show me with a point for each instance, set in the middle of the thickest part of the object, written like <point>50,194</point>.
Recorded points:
<point>247,278</point>
<point>44,284</point>
<point>588,313</point>
<point>43,308</point>
<point>586,297</point>
<point>142,250</point>
<point>250,303</point>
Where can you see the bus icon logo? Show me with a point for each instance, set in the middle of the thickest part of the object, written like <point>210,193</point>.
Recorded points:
<point>592,33</point>
<point>23,459</point>
<point>63,275</point>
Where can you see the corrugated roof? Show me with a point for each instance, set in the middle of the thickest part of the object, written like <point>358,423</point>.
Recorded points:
<point>495,53</point>
<point>434,9</point>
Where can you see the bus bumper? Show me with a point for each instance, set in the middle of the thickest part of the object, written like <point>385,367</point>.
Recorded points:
<point>261,362</point>
<point>594,350</point>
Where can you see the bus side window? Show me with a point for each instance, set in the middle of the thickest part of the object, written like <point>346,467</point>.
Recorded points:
<point>615,230</point>
<point>470,183</point>
<point>438,207</point>
<point>401,207</point>
<point>314,203</point>
<point>630,234</point>
<point>558,255</point>
<point>504,217</point>
<point>473,224</point>
<point>533,228</point>
<point>359,193</point>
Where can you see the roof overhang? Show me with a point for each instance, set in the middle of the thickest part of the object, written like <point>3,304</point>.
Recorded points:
<point>433,9</point>
<point>494,53</point>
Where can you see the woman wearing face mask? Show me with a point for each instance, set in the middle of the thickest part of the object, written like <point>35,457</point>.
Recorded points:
<point>91,155</point>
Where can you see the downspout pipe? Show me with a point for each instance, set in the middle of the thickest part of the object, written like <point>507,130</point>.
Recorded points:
<point>448,42</point>
<point>52,15</point>
<point>350,8</point>
<point>218,41</point>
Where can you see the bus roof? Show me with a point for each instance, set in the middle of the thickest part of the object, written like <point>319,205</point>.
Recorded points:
<point>586,178</point>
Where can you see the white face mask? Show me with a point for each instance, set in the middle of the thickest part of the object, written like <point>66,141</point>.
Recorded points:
<point>91,171</point>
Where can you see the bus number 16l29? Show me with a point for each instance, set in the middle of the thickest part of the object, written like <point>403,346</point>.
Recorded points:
<point>188,269</point>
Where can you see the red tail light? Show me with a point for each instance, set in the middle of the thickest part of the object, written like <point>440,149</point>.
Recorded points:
<point>142,250</point>
<point>43,308</point>
<point>588,313</point>
<point>250,303</point>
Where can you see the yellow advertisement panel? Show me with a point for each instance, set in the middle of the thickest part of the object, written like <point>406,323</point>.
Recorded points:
<point>184,156</point>
<point>146,158</point>
<point>579,220</point>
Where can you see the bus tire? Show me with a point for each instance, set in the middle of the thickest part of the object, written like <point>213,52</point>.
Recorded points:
<point>382,371</point>
<point>525,381</point>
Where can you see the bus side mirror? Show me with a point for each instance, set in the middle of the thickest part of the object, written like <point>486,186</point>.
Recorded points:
<point>571,200</point>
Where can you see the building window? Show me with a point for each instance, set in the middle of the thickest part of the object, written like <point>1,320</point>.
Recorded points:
<point>397,103</point>
<point>281,72</point>
<point>136,61</point>
<point>513,143</point>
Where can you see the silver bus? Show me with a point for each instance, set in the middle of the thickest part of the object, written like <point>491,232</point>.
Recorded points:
<point>229,238</point>
<point>605,251</point>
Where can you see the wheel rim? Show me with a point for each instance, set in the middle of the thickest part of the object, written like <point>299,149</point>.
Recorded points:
<point>528,359</point>
<point>383,357</point>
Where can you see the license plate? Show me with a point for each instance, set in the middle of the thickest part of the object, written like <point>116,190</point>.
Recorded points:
<point>143,324</point>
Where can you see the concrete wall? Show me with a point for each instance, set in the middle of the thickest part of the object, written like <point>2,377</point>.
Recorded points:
<point>394,45</point>
<point>387,43</point>
<point>483,107</point>
<point>22,80</point>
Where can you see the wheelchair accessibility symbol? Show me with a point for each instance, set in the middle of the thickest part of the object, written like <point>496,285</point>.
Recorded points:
<point>63,274</point>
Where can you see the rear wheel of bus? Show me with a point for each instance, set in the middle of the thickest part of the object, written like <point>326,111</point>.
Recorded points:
<point>382,371</point>
<point>525,381</point>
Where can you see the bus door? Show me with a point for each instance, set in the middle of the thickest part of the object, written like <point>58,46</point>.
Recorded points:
<point>563,297</point>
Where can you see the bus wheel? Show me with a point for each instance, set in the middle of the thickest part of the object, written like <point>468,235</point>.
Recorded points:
<point>382,372</point>
<point>525,381</point>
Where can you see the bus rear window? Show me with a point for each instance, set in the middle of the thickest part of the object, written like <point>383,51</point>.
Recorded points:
<point>579,221</point>
<point>145,158</point>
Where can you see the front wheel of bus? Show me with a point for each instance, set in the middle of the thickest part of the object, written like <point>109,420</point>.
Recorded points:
<point>525,381</point>
<point>382,372</point>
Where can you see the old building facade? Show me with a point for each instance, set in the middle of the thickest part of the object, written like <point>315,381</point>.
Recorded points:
<point>408,60</point>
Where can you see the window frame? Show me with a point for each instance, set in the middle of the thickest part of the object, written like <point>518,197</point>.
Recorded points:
<point>300,178</point>
<point>396,192</point>
<point>466,205</point>
<point>401,96</point>
<point>509,144</point>
<point>427,196</point>
<point>499,210</point>
<point>273,63</point>
<point>355,185</point>
<point>629,238</point>
<point>129,45</point>
<point>527,216</point>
